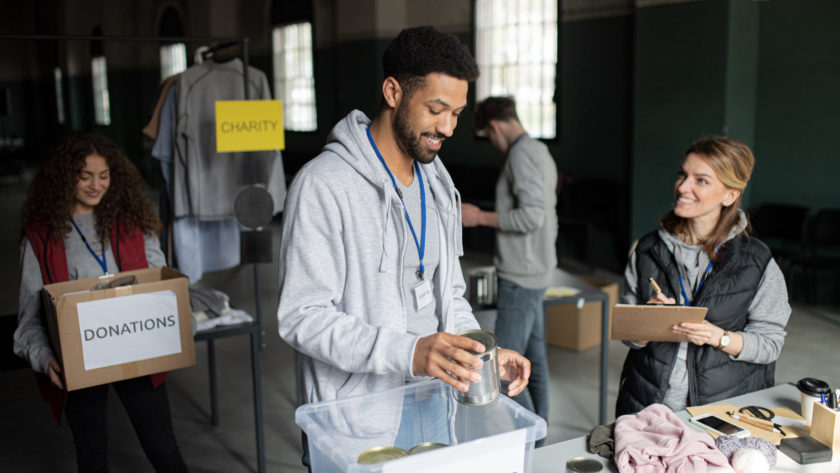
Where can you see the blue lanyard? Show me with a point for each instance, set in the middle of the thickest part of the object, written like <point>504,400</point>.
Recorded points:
<point>421,246</point>
<point>102,262</point>
<point>703,280</point>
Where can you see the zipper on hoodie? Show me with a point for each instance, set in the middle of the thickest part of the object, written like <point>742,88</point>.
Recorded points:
<point>401,289</point>
<point>448,241</point>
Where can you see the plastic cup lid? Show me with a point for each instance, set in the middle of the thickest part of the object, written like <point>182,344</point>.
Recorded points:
<point>813,386</point>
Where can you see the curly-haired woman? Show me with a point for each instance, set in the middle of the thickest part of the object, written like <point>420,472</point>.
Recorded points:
<point>87,214</point>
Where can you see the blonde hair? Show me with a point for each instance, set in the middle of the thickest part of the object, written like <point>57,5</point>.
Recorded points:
<point>733,162</point>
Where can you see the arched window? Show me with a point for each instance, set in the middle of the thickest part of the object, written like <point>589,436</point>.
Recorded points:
<point>99,75</point>
<point>516,50</point>
<point>173,56</point>
<point>294,78</point>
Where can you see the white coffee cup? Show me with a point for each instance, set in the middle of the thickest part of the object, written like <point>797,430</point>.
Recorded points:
<point>807,405</point>
<point>809,392</point>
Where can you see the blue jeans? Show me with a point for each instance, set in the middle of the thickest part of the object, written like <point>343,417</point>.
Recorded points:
<point>425,421</point>
<point>520,326</point>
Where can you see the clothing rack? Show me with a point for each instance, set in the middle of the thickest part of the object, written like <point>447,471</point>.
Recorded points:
<point>208,53</point>
<point>223,43</point>
<point>253,329</point>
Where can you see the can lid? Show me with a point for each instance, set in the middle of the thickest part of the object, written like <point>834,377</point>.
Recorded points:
<point>425,447</point>
<point>488,339</point>
<point>380,454</point>
<point>583,465</point>
<point>813,386</point>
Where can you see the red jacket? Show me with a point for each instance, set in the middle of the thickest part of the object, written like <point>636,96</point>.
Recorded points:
<point>129,250</point>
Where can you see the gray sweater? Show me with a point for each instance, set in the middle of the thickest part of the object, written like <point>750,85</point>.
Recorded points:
<point>31,341</point>
<point>526,201</point>
<point>764,334</point>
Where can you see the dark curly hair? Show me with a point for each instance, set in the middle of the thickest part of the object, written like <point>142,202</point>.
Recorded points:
<point>419,51</point>
<point>52,194</point>
<point>494,108</point>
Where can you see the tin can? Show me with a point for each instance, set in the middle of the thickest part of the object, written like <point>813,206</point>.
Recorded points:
<point>488,389</point>
<point>425,447</point>
<point>583,465</point>
<point>380,454</point>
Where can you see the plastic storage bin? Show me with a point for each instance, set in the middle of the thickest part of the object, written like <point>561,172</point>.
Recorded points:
<point>403,417</point>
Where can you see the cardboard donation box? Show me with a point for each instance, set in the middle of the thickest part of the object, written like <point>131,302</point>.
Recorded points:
<point>579,328</point>
<point>140,326</point>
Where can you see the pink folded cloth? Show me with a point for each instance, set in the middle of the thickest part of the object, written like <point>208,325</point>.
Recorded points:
<point>656,441</point>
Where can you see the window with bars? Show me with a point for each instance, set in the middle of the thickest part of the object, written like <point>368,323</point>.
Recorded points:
<point>101,101</point>
<point>516,51</point>
<point>294,81</point>
<point>173,59</point>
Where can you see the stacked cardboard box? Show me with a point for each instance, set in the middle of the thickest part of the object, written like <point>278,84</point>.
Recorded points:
<point>579,328</point>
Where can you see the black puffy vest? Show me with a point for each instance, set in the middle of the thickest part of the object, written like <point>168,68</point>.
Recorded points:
<point>727,292</point>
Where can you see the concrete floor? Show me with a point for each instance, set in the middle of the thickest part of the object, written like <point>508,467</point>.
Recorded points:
<point>31,442</point>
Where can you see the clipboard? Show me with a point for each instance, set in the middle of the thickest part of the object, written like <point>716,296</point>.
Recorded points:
<point>652,322</point>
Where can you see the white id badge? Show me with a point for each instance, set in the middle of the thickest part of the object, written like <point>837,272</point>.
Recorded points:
<point>423,294</point>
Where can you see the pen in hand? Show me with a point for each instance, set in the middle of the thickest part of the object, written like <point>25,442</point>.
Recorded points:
<point>655,286</point>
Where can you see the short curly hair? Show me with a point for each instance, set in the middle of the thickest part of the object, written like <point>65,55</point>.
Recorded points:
<point>52,194</point>
<point>422,50</point>
<point>494,108</point>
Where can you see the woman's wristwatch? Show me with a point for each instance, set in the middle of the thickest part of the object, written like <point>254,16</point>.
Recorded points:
<point>724,341</point>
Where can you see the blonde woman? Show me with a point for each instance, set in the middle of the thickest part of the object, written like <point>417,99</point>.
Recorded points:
<point>703,255</point>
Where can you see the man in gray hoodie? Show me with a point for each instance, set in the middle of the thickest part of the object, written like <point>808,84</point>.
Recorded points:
<point>525,219</point>
<point>371,289</point>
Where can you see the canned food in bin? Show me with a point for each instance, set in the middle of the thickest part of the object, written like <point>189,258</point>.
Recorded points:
<point>425,447</point>
<point>380,454</point>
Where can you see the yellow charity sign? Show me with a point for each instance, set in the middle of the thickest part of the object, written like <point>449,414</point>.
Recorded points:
<point>249,125</point>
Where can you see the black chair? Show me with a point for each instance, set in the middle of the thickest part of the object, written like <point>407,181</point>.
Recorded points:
<point>821,254</point>
<point>782,228</point>
<point>591,220</point>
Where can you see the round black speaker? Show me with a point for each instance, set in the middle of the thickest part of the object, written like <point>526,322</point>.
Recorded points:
<point>253,207</point>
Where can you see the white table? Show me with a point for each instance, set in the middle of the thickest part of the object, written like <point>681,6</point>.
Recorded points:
<point>552,458</point>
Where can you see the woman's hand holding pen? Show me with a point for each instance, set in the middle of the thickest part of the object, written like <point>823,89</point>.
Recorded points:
<point>661,298</point>
<point>658,296</point>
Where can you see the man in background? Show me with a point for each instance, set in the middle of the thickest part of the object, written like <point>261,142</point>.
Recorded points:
<point>525,220</point>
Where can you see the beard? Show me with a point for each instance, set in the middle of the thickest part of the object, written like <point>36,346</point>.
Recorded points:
<point>408,140</point>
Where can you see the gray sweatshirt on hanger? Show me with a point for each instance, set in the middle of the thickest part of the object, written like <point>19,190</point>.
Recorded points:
<point>206,182</point>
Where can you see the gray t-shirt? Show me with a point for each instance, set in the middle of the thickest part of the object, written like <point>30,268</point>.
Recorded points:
<point>421,321</point>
